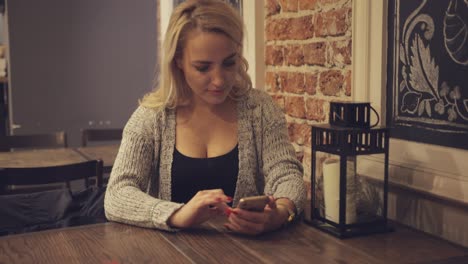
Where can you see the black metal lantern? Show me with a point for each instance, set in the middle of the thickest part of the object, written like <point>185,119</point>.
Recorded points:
<point>345,202</point>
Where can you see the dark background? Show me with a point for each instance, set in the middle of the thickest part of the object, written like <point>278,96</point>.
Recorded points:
<point>79,64</point>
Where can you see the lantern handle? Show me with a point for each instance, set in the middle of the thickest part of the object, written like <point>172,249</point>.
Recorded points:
<point>377,115</point>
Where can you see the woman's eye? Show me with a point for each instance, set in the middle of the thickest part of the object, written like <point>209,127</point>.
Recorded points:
<point>229,63</point>
<point>202,68</point>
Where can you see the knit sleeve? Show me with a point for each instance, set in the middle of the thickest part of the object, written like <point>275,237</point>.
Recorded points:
<point>126,199</point>
<point>283,171</point>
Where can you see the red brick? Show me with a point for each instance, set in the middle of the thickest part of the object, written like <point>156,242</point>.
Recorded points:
<point>274,55</point>
<point>279,100</point>
<point>315,109</point>
<point>315,53</point>
<point>294,55</point>
<point>288,5</point>
<point>311,83</point>
<point>272,83</point>
<point>278,29</point>
<point>307,4</point>
<point>299,133</point>
<point>329,2</point>
<point>301,28</point>
<point>348,85</point>
<point>294,106</point>
<point>282,78</point>
<point>331,82</point>
<point>341,52</point>
<point>272,7</point>
<point>294,83</point>
<point>333,23</point>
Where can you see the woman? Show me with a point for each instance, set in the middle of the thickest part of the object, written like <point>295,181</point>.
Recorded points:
<point>204,139</point>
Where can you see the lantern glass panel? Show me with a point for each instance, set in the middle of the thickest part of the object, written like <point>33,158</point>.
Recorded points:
<point>370,185</point>
<point>327,188</point>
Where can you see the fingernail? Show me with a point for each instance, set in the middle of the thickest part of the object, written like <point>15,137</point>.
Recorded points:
<point>227,212</point>
<point>229,199</point>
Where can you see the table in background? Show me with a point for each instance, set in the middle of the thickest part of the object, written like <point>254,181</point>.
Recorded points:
<point>300,243</point>
<point>59,156</point>
<point>106,153</point>
<point>40,157</point>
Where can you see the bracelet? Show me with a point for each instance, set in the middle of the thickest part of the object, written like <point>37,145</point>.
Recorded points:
<point>291,215</point>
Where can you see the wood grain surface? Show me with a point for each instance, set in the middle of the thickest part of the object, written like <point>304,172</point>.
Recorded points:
<point>211,243</point>
<point>40,157</point>
<point>106,153</point>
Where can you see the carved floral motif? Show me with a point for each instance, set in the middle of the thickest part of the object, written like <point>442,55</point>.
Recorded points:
<point>423,94</point>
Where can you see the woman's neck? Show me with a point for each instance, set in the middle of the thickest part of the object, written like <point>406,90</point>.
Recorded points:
<point>211,109</point>
<point>226,111</point>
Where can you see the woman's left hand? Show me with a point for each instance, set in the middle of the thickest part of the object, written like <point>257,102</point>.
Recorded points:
<point>254,223</point>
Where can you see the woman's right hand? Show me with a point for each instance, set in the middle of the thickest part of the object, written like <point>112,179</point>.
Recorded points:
<point>204,205</point>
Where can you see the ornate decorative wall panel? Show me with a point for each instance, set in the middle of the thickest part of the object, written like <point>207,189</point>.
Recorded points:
<point>428,71</point>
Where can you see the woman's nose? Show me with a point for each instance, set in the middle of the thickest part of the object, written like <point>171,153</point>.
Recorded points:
<point>218,77</point>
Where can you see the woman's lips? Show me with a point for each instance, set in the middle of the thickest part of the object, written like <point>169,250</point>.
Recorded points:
<point>217,92</point>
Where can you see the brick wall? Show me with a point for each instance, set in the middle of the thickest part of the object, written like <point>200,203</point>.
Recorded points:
<point>308,63</point>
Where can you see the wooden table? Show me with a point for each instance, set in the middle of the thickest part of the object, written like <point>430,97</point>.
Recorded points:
<point>59,156</point>
<point>106,153</point>
<point>300,243</point>
<point>42,157</point>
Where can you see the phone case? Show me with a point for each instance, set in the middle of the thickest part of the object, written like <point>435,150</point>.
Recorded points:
<point>254,203</point>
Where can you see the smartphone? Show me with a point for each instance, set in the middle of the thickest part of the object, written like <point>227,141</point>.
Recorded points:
<point>254,203</point>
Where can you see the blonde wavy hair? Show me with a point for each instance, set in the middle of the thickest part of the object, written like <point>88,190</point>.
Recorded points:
<point>207,16</point>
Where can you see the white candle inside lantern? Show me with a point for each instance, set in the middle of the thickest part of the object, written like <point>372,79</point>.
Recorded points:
<point>331,189</point>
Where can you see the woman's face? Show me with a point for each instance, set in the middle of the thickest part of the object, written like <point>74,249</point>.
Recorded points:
<point>209,62</point>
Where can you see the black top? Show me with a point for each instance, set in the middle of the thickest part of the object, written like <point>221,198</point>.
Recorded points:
<point>190,175</point>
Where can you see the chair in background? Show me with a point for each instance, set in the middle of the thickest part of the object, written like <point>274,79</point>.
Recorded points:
<point>25,212</point>
<point>34,141</point>
<point>53,174</point>
<point>100,135</point>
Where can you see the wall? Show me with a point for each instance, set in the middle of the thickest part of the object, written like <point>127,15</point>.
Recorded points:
<point>428,183</point>
<point>308,62</point>
<point>78,64</point>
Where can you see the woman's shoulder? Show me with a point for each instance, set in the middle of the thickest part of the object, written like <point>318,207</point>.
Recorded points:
<point>262,102</point>
<point>145,119</point>
<point>143,114</point>
<point>258,98</point>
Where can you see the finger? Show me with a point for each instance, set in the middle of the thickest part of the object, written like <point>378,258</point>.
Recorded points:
<point>218,204</point>
<point>214,191</point>
<point>272,202</point>
<point>245,225</point>
<point>216,201</point>
<point>234,227</point>
<point>216,194</point>
<point>223,208</point>
<point>251,216</point>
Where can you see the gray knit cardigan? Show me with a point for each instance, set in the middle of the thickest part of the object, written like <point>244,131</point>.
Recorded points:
<point>139,188</point>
